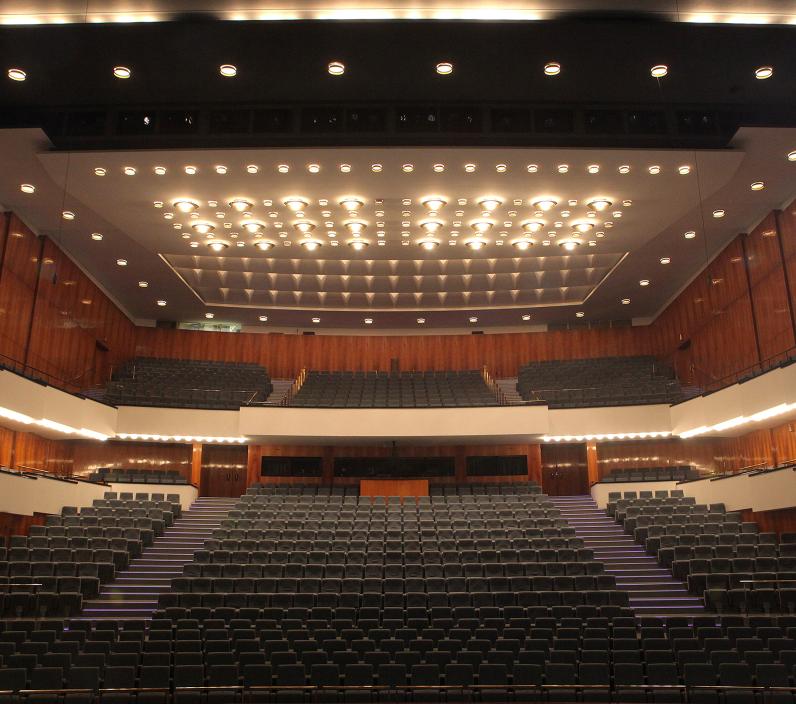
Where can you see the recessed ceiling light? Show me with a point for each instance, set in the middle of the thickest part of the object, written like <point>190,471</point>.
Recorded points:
<point>757,186</point>
<point>685,169</point>
<point>228,70</point>
<point>193,245</point>
<point>368,321</point>
<point>526,316</point>
<point>408,168</point>
<point>552,68</point>
<point>296,203</point>
<point>429,244</point>
<point>218,245</point>
<point>593,168</point>
<point>184,205</point>
<point>129,170</point>
<point>190,170</point>
<point>690,235</point>
<point>263,318</point>
<point>475,243</point>
<point>143,284</point>
<point>659,70</point>
<point>489,203</point>
<point>599,204</point>
<point>523,244</point>
<point>336,68</point>
<point>121,262</point>
<point>421,321</point>
<point>220,169</point>
<point>501,168</point>
<point>358,244</point>
<point>438,168</point>
<point>627,203</point>
<point>562,168</point>
<point>68,215</point>
<point>27,188</point>
<point>583,226</point>
<point>161,303</point>
<point>544,203</point>
<point>313,168</point>
<point>569,244</point>
<point>252,169</point>
<point>792,156</point>
<point>96,236</point>
<point>579,314</point>
<point>376,168</point>
<point>532,225</point>
<point>304,226</point>
<point>625,301</point>
<point>283,168</point>
<point>240,204</point>
<point>473,319</point>
<point>100,171</point>
<point>532,168</point>
<point>719,213</point>
<point>17,74</point>
<point>264,245</point>
<point>160,170</point>
<point>624,169</point>
<point>345,168</point>
<point>644,282</point>
<point>469,168</point>
<point>203,228</point>
<point>444,68</point>
<point>666,260</point>
<point>311,245</point>
<point>763,72</point>
<point>654,169</point>
<point>122,72</point>
<point>210,316</point>
<point>316,320</point>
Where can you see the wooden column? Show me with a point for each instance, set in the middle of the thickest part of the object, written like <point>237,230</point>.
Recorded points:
<point>535,463</point>
<point>196,464</point>
<point>460,464</point>
<point>327,466</point>
<point>591,462</point>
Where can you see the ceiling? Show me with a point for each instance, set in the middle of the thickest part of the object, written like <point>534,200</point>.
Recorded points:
<point>398,282</point>
<point>101,11</point>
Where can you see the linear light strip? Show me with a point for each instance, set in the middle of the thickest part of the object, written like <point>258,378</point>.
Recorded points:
<point>772,412</point>
<point>51,425</point>
<point>606,436</point>
<point>180,438</point>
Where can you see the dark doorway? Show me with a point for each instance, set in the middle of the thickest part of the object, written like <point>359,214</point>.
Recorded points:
<point>223,471</point>
<point>564,470</point>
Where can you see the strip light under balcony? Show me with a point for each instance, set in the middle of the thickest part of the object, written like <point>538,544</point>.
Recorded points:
<point>772,412</point>
<point>8,414</point>
<point>606,436</point>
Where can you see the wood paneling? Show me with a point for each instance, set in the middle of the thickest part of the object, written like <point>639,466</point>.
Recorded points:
<point>6,447</point>
<point>15,524</point>
<point>778,521</point>
<point>224,471</point>
<point>393,487</point>
<point>565,469</point>
<point>141,456</point>
<point>786,226</point>
<point>46,454</point>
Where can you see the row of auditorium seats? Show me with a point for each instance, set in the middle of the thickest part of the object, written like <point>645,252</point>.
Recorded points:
<point>109,475</point>
<point>393,390</point>
<point>679,473</point>
<point>312,656</point>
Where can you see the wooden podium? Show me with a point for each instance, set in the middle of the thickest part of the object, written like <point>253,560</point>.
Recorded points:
<point>393,487</point>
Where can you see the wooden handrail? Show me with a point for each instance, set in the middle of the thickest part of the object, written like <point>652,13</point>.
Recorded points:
<point>295,387</point>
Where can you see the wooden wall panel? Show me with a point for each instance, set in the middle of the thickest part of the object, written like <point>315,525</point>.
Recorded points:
<point>777,521</point>
<point>36,452</point>
<point>565,469</point>
<point>6,447</point>
<point>16,524</point>
<point>90,456</point>
<point>786,226</point>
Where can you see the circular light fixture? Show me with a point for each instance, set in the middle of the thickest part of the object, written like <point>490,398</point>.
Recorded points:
<point>122,72</point>
<point>160,170</point>
<point>190,170</point>
<point>185,205</point>
<point>352,203</point>
<point>501,168</point>
<point>368,321</point>
<point>358,244</point>
<point>792,156</point>
<point>316,320</point>
<point>96,236</point>
<point>313,168</point>
<point>438,168</point>
<point>336,68</point>
<point>240,204</point>
<point>444,68</point>
<point>690,235</point>
<point>228,70</point>
<point>203,228</point>
<point>143,284</point>
<point>763,72</point>
<point>311,245</point>
<point>481,226</point>
<point>593,168</point>
<point>218,245</point>
<point>121,262</point>
<point>570,244</point>
<point>264,245</point>
<point>562,168</point>
<point>526,316</point>
<point>684,169</point>
<point>583,226</point>
<point>161,303</point>
<point>490,203</point>
<point>295,203</point>
<point>283,168</point>
<point>421,321</point>
<point>263,318</point>
<point>552,68</point>
<point>429,243</point>
<point>579,314</point>
<point>659,71</point>
<point>129,171</point>
<point>210,316</point>
<point>408,168</point>
<point>625,301</point>
<point>376,168</point>
<point>476,243</point>
<point>252,169</point>
<point>17,74</point>
<point>304,226</point>
<point>27,188</point>
<point>220,169</point>
<point>598,204</point>
<point>757,185</point>
<point>355,227</point>
<point>666,260</point>
<point>431,227</point>
<point>544,204</point>
<point>532,225</point>
<point>719,213</point>
<point>68,215</point>
<point>532,168</point>
<point>473,319</point>
<point>100,171</point>
<point>644,282</point>
<point>434,203</point>
<point>252,226</point>
<point>469,168</point>
<point>654,169</point>
<point>624,169</point>
<point>523,244</point>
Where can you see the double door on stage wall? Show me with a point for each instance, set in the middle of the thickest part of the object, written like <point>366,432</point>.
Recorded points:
<point>223,471</point>
<point>564,470</point>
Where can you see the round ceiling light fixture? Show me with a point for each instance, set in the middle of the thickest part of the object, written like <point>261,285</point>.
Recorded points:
<point>580,314</point>
<point>684,170</point>
<point>476,243</point>
<point>17,74</point>
<point>599,204</point>
<point>304,226</point>
<point>121,262</point>
<point>161,303</point>
<point>129,171</point>
<point>336,68</point>
<point>490,203</point>
<point>763,72</point>
<point>569,244</point>
<point>481,226</point>
<point>552,68</point>
<point>355,227</point>
<point>358,244</point>
<point>625,301</point>
<point>122,72</point>
<point>655,169</point>
<point>100,171</point>
<point>252,226</point>
<point>228,70</point>
<point>792,156</point>
<point>96,236</point>
<point>264,245</point>
<point>544,204</point>
<point>644,282</point>
<point>203,228</point>
<point>295,203</point>
<point>68,215</point>
<point>718,213</point>
<point>311,245</point>
<point>523,244</point>
<point>429,244</point>
<point>444,68</point>
<point>27,188</point>
<point>666,260</point>
<point>532,225</point>
<point>690,235</point>
<point>210,316</point>
<point>263,318</point>
<point>434,203</point>
<point>757,185</point>
<point>431,227</point>
<point>659,71</point>
<point>240,204</point>
<point>473,319</point>
<point>184,205</point>
<point>352,203</point>
<point>583,226</point>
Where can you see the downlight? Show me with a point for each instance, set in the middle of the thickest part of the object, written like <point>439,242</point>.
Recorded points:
<point>532,225</point>
<point>311,245</point>
<point>523,244</point>
<point>218,245</point>
<point>358,244</point>
<point>186,206</point>
<point>599,204</point>
<point>241,204</point>
<point>429,244</point>
<point>476,243</point>
<point>264,245</point>
<point>570,244</point>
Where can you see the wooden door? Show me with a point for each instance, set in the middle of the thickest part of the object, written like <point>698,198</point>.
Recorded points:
<point>564,470</point>
<point>222,482</point>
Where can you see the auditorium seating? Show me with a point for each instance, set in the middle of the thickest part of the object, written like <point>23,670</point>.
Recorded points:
<point>187,383</point>
<point>680,473</point>
<point>601,381</point>
<point>728,562</point>
<point>72,555</point>
<point>394,390</point>
<point>135,476</point>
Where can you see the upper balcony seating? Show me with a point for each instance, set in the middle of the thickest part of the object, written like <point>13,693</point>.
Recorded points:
<point>680,473</point>
<point>602,381</point>
<point>394,390</point>
<point>187,383</point>
<point>135,476</point>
